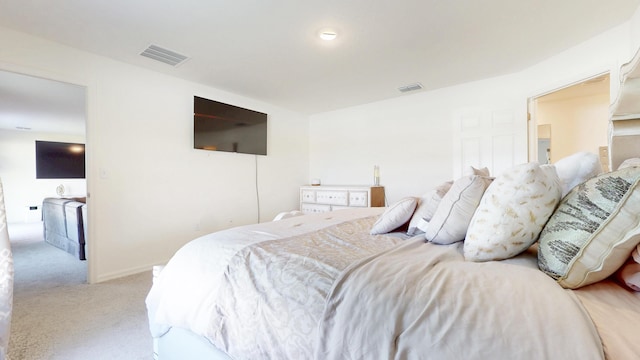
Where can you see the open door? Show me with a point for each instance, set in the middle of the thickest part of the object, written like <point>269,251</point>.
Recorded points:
<point>570,119</point>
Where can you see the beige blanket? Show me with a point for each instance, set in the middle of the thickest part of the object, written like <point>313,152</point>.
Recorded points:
<point>423,301</point>
<point>616,313</point>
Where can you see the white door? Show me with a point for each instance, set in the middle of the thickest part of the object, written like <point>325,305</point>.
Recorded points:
<point>495,138</point>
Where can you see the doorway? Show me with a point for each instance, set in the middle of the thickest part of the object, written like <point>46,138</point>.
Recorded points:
<point>35,109</point>
<point>571,119</point>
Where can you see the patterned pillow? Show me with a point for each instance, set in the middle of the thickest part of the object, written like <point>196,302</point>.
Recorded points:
<point>427,206</point>
<point>394,216</point>
<point>512,212</point>
<point>594,229</point>
<point>450,222</point>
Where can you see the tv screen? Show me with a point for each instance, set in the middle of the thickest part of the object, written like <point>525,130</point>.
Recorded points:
<point>223,127</point>
<point>58,160</point>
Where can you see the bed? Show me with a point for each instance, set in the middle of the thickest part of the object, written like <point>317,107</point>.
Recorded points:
<point>400,282</point>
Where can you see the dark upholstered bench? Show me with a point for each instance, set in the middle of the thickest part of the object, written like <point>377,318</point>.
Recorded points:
<point>64,225</point>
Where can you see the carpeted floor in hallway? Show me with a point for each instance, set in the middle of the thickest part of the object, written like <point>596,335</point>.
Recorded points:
<point>57,315</point>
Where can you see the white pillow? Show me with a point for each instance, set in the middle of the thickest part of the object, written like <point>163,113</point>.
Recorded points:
<point>394,216</point>
<point>629,275</point>
<point>576,169</point>
<point>427,206</point>
<point>287,214</point>
<point>594,229</point>
<point>450,222</point>
<point>470,170</point>
<point>512,212</point>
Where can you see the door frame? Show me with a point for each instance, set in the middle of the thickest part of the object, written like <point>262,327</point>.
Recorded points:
<point>532,105</point>
<point>89,90</point>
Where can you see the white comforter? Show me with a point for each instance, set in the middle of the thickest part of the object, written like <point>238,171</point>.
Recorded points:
<point>181,295</point>
<point>269,291</point>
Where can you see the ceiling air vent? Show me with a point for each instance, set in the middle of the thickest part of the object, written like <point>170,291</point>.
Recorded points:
<point>410,87</point>
<point>163,55</point>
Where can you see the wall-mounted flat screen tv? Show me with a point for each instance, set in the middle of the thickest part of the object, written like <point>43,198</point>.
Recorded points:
<point>59,160</point>
<point>222,127</point>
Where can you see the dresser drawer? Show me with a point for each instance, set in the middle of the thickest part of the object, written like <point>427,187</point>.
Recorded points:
<point>319,199</point>
<point>314,208</point>
<point>332,197</point>
<point>308,196</point>
<point>358,198</point>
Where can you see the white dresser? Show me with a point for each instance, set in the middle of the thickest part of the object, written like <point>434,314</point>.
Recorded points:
<point>317,199</point>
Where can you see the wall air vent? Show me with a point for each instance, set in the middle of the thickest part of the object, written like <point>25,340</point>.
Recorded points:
<point>410,87</point>
<point>163,55</point>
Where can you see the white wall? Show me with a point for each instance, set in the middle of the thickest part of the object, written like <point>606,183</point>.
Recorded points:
<point>634,32</point>
<point>410,137</point>
<point>397,135</point>
<point>149,190</point>
<point>18,172</point>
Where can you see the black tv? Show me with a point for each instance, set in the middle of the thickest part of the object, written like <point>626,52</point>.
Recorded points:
<point>59,160</point>
<point>222,127</point>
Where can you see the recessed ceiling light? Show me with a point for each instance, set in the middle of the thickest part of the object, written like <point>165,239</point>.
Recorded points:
<point>328,35</point>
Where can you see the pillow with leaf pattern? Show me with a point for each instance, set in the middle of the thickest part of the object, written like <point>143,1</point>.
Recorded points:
<point>512,212</point>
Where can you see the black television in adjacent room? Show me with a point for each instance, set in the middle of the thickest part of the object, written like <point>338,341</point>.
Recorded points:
<point>222,127</point>
<point>59,160</point>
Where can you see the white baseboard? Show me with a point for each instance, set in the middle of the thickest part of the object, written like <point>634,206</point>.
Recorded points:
<point>125,272</point>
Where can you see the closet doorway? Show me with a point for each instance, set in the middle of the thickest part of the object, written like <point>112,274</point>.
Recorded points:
<point>571,119</point>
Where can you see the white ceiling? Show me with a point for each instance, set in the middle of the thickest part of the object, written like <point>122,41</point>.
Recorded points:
<point>31,103</point>
<point>270,51</point>
<point>596,86</point>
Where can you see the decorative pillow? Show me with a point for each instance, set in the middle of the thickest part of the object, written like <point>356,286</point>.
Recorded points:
<point>629,162</point>
<point>473,171</point>
<point>394,216</point>
<point>576,169</point>
<point>629,275</point>
<point>287,214</point>
<point>512,212</point>
<point>427,206</point>
<point>593,230</point>
<point>450,222</point>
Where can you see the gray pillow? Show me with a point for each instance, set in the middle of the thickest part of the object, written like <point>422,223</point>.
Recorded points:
<point>594,229</point>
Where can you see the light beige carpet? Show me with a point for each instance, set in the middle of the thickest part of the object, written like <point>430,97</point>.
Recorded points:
<point>57,315</point>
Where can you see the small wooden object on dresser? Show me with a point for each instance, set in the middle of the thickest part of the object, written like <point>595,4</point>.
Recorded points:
<point>317,199</point>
